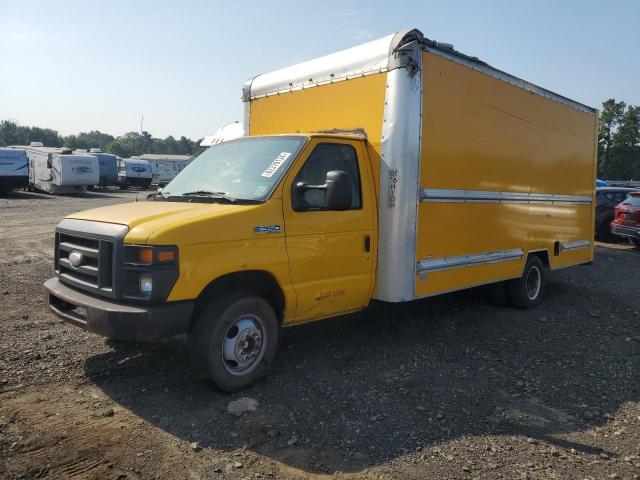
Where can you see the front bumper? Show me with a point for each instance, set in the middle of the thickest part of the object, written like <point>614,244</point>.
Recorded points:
<point>627,232</point>
<point>116,320</point>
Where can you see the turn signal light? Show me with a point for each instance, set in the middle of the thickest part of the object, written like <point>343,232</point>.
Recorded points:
<point>145,255</point>
<point>166,256</point>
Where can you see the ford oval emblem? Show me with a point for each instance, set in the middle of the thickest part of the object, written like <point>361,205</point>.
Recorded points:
<point>75,259</point>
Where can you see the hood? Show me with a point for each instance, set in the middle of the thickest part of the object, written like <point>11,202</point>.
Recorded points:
<point>182,222</point>
<point>134,214</point>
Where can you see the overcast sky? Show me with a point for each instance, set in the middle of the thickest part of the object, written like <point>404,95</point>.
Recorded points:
<point>79,65</point>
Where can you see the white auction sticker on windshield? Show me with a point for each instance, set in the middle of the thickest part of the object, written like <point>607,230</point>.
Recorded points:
<point>275,165</point>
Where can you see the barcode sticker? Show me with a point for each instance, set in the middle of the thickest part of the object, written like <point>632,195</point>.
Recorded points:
<point>275,165</point>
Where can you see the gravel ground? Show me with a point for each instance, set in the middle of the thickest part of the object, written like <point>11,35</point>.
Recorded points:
<point>450,387</point>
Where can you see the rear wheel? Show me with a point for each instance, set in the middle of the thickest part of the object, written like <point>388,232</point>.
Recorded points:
<point>527,291</point>
<point>235,339</point>
<point>604,232</point>
<point>636,242</point>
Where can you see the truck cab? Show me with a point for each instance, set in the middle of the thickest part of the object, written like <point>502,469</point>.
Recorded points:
<point>259,232</point>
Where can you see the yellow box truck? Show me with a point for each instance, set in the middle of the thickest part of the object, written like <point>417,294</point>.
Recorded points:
<point>395,170</point>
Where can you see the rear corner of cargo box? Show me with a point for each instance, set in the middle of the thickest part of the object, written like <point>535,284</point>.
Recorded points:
<point>504,174</point>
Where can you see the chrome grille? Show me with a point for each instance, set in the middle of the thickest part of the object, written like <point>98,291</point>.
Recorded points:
<point>85,263</point>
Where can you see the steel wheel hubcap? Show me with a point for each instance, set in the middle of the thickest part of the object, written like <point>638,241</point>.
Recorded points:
<point>243,345</point>
<point>533,283</point>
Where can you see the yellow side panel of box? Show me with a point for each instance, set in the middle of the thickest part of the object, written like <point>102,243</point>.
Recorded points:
<point>356,104</point>
<point>480,133</point>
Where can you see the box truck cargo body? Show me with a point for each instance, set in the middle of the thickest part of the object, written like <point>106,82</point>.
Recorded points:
<point>58,171</point>
<point>396,170</point>
<point>14,169</point>
<point>475,169</point>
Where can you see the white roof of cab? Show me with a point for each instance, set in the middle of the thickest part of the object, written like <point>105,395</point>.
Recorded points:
<point>229,131</point>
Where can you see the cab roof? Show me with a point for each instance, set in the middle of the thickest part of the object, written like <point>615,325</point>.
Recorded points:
<point>344,134</point>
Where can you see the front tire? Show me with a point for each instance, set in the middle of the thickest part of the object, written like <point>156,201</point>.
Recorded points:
<point>527,291</point>
<point>235,339</point>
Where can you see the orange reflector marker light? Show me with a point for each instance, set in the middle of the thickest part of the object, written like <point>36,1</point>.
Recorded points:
<point>145,255</point>
<point>166,256</point>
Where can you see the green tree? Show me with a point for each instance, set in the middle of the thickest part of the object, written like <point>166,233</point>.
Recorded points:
<point>619,141</point>
<point>610,116</point>
<point>187,146</point>
<point>49,137</point>
<point>9,133</point>
<point>624,157</point>
<point>13,134</point>
<point>628,132</point>
<point>127,145</point>
<point>92,139</point>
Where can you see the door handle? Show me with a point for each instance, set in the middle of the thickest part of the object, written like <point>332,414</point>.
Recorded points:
<point>367,243</point>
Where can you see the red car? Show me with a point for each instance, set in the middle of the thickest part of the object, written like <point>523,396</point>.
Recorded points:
<point>626,222</point>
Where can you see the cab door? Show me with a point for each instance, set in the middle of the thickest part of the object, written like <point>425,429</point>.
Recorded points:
<point>331,252</point>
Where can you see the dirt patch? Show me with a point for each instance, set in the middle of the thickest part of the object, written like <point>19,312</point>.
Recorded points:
<point>450,387</point>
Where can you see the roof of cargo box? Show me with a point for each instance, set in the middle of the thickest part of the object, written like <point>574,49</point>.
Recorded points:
<point>374,57</point>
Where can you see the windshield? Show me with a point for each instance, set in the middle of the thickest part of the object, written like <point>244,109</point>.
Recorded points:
<point>243,169</point>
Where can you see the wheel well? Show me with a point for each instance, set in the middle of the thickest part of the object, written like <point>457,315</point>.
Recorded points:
<point>258,282</point>
<point>542,255</point>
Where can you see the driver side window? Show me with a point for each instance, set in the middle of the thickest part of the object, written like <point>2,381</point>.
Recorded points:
<point>325,158</point>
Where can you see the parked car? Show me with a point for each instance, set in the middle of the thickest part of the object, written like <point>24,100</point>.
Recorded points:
<point>626,223</point>
<point>606,200</point>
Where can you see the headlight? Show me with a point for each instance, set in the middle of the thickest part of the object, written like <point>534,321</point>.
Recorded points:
<point>145,283</point>
<point>149,272</point>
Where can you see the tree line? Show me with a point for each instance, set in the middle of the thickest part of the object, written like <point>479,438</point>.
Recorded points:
<point>127,145</point>
<point>619,141</point>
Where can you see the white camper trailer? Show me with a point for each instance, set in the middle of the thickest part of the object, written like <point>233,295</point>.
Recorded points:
<point>58,171</point>
<point>14,169</point>
<point>107,166</point>
<point>166,167</point>
<point>134,172</point>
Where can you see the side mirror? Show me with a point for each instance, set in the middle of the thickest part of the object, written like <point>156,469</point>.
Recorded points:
<point>337,193</point>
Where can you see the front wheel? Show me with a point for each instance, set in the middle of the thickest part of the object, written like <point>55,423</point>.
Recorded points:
<point>235,339</point>
<point>527,291</point>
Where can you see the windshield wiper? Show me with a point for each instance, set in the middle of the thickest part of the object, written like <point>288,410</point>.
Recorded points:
<point>156,195</point>
<point>207,193</point>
